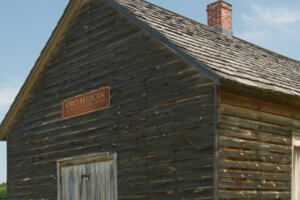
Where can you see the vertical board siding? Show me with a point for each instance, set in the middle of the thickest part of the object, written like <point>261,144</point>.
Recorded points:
<point>161,119</point>
<point>89,181</point>
<point>255,153</point>
<point>71,182</point>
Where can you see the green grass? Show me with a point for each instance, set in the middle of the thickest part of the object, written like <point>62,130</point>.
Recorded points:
<point>3,191</point>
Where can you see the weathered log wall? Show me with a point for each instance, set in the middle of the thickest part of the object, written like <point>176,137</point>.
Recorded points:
<point>161,119</point>
<point>255,144</point>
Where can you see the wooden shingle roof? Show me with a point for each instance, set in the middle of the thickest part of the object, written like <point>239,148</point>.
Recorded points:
<point>230,58</point>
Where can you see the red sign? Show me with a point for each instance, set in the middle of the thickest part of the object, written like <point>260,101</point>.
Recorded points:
<point>86,103</point>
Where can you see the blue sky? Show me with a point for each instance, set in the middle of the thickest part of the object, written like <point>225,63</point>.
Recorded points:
<point>27,25</point>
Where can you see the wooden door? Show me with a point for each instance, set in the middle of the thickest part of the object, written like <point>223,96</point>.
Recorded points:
<point>88,178</point>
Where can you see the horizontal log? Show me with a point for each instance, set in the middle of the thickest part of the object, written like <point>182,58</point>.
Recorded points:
<point>243,184</point>
<point>256,135</point>
<point>237,122</point>
<point>254,145</point>
<point>252,114</point>
<point>255,155</point>
<point>256,166</point>
<point>265,103</point>
<point>252,194</point>
<point>253,175</point>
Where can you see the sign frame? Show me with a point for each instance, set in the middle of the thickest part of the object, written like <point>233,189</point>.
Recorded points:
<point>92,101</point>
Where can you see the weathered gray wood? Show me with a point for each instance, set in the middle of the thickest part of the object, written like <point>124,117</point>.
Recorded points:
<point>255,194</point>
<point>257,115</point>
<point>254,146</point>
<point>204,109</point>
<point>225,163</point>
<point>255,135</point>
<point>89,177</point>
<point>254,155</point>
<point>256,175</point>
<point>254,125</point>
<point>160,121</point>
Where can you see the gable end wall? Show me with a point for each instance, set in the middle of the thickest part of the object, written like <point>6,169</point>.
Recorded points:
<point>160,122</point>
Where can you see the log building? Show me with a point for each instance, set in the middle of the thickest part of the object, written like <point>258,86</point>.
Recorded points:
<point>131,101</point>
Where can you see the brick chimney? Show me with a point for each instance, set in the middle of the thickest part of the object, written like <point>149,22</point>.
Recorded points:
<point>219,16</point>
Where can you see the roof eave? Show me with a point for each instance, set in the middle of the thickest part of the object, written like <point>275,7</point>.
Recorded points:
<point>263,89</point>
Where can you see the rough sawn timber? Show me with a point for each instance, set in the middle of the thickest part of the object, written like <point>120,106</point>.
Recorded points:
<point>160,123</point>
<point>255,143</point>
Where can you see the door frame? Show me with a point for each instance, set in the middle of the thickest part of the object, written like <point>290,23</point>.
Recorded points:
<point>83,159</point>
<point>296,145</point>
